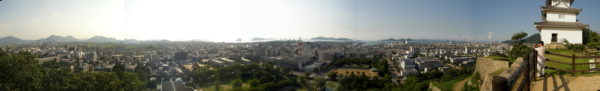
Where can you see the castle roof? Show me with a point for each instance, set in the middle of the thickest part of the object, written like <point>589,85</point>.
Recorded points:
<point>549,2</point>
<point>558,24</point>
<point>546,9</point>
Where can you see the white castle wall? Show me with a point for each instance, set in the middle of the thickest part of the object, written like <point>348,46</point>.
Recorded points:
<point>572,35</point>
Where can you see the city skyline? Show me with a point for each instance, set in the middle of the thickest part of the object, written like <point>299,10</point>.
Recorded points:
<point>227,21</point>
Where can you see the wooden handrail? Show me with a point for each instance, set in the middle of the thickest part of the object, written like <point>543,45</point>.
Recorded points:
<point>555,61</point>
<point>556,54</point>
<point>588,56</point>
<point>559,69</point>
<point>568,56</point>
<point>586,63</point>
<point>562,55</point>
<point>573,65</point>
<point>567,70</point>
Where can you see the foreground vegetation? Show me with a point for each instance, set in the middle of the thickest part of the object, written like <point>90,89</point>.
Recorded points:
<point>20,71</point>
<point>259,77</point>
<point>418,82</point>
<point>445,79</point>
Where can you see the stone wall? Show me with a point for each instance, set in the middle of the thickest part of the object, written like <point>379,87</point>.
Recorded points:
<point>555,46</point>
<point>486,66</point>
<point>511,74</point>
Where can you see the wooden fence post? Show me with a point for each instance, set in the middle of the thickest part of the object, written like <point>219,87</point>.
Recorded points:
<point>499,83</point>
<point>573,65</point>
<point>527,73</point>
<point>533,65</point>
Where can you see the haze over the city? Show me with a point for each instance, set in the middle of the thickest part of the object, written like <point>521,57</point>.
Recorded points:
<point>299,45</point>
<point>228,20</point>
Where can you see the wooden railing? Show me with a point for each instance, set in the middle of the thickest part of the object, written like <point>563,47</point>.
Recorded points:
<point>526,72</point>
<point>573,64</point>
<point>521,78</point>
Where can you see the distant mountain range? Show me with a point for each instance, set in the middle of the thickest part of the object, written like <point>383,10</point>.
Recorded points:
<point>257,39</point>
<point>12,39</point>
<point>535,38</point>
<point>102,39</point>
<point>56,38</point>
<point>392,39</point>
<point>320,38</point>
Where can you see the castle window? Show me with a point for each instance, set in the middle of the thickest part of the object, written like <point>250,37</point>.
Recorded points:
<point>561,16</point>
<point>554,38</point>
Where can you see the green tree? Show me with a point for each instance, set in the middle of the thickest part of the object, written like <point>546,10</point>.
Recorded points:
<point>591,38</point>
<point>237,83</point>
<point>20,71</point>
<point>119,67</point>
<point>318,83</point>
<point>518,36</point>
<point>332,76</point>
<point>254,82</point>
<point>518,48</point>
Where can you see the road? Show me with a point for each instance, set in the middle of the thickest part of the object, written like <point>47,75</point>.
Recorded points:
<point>393,68</point>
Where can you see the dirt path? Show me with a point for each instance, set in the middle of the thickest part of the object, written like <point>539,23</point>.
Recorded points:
<point>459,85</point>
<point>568,83</point>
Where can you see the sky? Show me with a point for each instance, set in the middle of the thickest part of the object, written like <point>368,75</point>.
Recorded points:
<point>228,20</point>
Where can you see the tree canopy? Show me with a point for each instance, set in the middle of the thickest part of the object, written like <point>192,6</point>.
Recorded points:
<point>591,38</point>
<point>21,71</point>
<point>260,76</point>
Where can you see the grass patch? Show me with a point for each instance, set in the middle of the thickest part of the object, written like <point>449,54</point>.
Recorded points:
<point>498,58</point>
<point>224,87</point>
<point>567,60</point>
<point>101,45</point>
<point>332,84</point>
<point>302,89</point>
<point>221,88</point>
<point>131,47</point>
<point>467,87</point>
<point>449,85</point>
<point>497,72</point>
<point>351,65</point>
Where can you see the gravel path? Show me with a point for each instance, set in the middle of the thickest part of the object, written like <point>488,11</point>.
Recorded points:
<point>568,83</point>
<point>459,85</point>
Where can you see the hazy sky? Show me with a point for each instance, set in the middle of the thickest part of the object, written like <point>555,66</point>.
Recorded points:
<point>228,20</point>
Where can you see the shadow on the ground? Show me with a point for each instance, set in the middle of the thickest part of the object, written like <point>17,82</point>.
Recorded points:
<point>564,83</point>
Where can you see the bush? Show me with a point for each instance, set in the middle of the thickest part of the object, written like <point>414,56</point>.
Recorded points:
<point>498,56</point>
<point>594,45</point>
<point>575,47</point>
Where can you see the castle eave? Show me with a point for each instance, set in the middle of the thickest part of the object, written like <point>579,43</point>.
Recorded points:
<point>557,24</point>
<point>546,9</point>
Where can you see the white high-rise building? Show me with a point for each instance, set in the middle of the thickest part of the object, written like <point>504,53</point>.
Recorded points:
<point>560,23</point>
